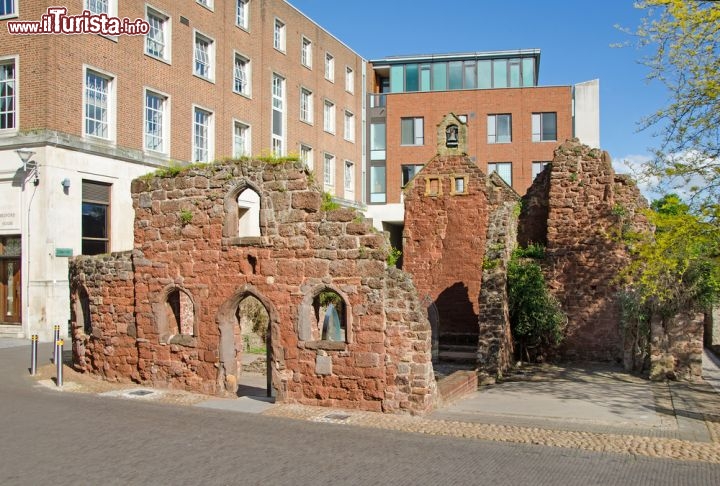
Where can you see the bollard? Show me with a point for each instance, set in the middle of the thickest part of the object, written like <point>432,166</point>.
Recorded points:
<point>33,354</point>
<point>56,337</point>
<point>59,362</point>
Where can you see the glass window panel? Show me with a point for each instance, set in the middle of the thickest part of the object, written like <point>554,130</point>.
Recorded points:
<point>419,132</point>
<point>456,75</point>
<point>536,127</point>
<point>500,73</point>
<point>491,123</point>
<point>504,128</point>
<point>377,141</point>
<point>549,126</point>
<point>528,71</point>
<point>397,79</point>
<point>514,73</point>
<point>377,184</point>
<point>411,77</point>
<point>439,70</point>
<point>406,131</point>
<point>484,74</point>
<point>425,77</point>
<point>94,219</point>
<point>470,75</point>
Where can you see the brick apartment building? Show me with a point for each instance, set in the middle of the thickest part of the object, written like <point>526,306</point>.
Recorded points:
<point>513,124</point>
<point>82,115</point>
<point>212,79</point>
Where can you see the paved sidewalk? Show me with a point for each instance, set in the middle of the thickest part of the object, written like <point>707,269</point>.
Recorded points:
<point>590,408</point>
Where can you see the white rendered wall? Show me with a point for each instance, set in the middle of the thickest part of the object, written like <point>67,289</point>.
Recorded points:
<point>587,112</point>
<point>55,222</point>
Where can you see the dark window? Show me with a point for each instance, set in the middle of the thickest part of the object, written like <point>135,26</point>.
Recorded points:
<point>95,218</point>
<point>409,171</point>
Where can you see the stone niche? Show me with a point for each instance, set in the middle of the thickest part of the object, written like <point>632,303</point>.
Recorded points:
<point>166,313</point>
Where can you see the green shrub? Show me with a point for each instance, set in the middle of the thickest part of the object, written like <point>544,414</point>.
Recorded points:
<point>536,320</point>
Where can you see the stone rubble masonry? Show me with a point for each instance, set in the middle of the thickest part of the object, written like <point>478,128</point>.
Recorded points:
<point>186,239</point>
<point>457,244</point>
<point>495,345</point>
<point>579,207</point>
<point>676,346</point>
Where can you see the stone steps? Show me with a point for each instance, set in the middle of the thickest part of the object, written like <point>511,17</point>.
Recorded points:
<point>11,331</point>
<point>457,385</point>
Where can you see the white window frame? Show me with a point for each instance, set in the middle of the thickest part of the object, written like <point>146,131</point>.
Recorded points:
<point>537,167</point>
<point>418,135</point>
<point>242,14</point>
<point>492,128</point>
<point>349,126</point>
<point>329,172</point>
<point>164,114</point>
<point>111,103</point>
<point>537,127</point>
<point>209,136</point>
<point>247,91</point>
<point>278,145</point>
<point>329,116</point>
<point>306,155</point>
<point>349,79</point>
<point>493,167</point>
<point>306,105</point>
<point>329,67</point>
<point>279,35</point>
<point>306,52</point>
<point>349,179</point>
<point>112,9</point>
<point>14,60</point>
<point>13,10</point>
<point>166,33</point>
<point>247,146</point>
<point>199,36</point>
<point>208,4</point>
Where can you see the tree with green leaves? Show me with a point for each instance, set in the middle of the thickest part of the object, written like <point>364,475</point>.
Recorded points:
<point>686,37</point>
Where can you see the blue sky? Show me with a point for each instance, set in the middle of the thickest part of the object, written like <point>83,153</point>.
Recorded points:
<point>574,36</point>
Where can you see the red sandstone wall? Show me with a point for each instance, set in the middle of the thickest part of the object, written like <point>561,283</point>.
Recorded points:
<point>302,251</point>
<point>584,253</point>
<point>444,242</point>
<point>109,350</point>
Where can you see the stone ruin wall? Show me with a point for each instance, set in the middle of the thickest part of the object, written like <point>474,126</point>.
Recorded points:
<point>444,241</point>
<point>587,206</point>
<point>495,344</point>
<point>385,365</point>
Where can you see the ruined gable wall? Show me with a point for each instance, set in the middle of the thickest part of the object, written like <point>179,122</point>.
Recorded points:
<point>444,240</point>
<point>183,241</point>
<point>588,208</point>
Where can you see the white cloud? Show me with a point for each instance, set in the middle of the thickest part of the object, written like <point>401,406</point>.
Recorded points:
<point>632,165</point>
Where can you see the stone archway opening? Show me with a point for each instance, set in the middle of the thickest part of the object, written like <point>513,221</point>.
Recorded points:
<point>253,348</point>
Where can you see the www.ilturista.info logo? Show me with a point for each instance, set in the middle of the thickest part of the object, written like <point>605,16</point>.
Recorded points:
<point>57,21</point>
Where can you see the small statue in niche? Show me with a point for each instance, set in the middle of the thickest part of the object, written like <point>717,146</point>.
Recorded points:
<point>451,136</point>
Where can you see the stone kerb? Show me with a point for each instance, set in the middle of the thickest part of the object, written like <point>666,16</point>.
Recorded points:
<point>186,239</point>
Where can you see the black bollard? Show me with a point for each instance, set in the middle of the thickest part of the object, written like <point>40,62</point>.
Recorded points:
<point>59,362</point>
<point>33,354</point>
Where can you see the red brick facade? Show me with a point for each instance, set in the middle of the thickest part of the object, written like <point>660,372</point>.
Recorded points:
<point>52,75</point>
<point>521,103</point>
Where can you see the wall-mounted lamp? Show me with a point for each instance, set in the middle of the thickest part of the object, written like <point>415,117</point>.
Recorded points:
<point>66,183</point>
<point>29,165</point>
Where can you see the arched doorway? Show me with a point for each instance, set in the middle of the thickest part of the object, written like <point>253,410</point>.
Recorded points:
<point>248,327</point>
<point>253,340</point>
